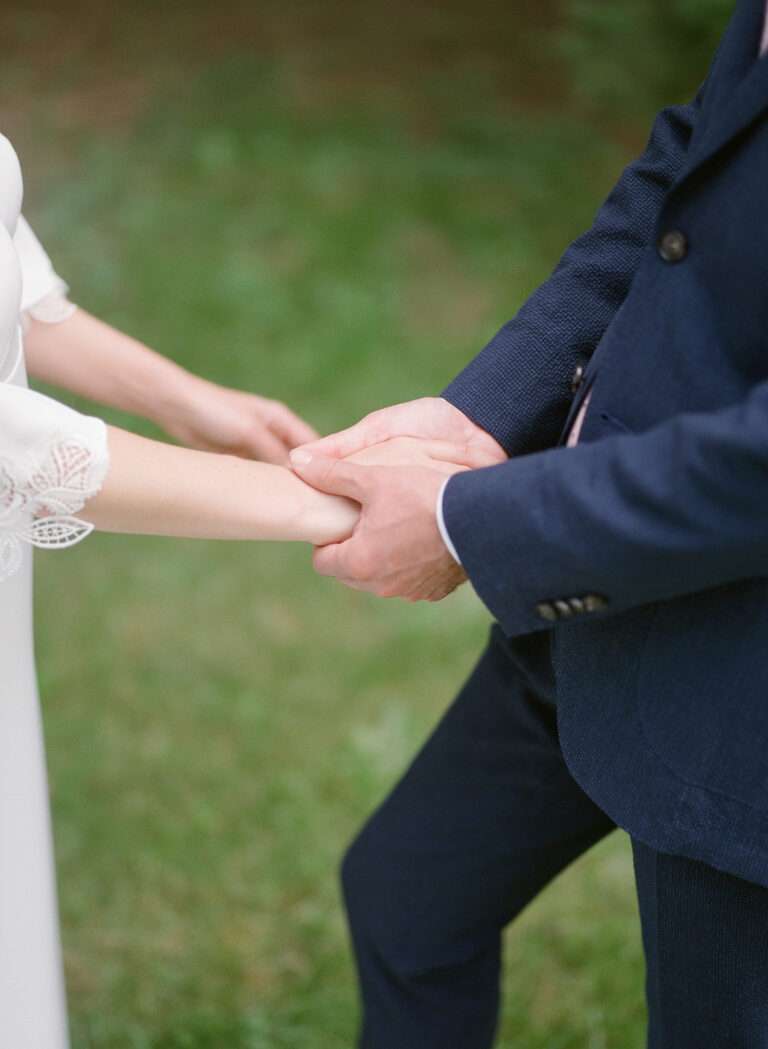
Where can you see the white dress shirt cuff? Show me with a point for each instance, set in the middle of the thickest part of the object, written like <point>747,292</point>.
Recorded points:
<point>442,526</point>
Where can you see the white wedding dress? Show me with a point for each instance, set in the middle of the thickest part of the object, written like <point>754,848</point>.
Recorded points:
<point>52,460</point>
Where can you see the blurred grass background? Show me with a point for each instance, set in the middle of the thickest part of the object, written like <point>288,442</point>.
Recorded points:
<point>335,204</point>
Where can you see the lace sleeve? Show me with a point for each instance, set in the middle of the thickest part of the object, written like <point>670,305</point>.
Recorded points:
<point>52,461</point>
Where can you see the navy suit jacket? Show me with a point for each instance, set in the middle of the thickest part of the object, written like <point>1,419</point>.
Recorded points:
<point>648,543</point>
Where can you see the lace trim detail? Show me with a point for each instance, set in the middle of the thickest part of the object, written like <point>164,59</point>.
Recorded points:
<point>40,498</point>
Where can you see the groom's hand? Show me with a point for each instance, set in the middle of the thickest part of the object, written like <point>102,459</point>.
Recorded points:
<point>396,549</point>
<point>431,418</point>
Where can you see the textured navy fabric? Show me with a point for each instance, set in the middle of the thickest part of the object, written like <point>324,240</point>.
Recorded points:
<point>487,815</point>
<point>706,957</point>
<point>662,509</point>
<point>518,387</point>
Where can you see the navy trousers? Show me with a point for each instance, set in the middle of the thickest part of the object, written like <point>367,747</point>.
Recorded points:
<point>486,816</point>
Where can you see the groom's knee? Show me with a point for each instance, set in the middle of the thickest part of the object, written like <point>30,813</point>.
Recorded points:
<point>379,912</point>
<point>360,875</point>
<point>394,910</point>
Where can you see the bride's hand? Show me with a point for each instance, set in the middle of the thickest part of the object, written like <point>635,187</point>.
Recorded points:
<point>215,418</point>
<point>329,519</point>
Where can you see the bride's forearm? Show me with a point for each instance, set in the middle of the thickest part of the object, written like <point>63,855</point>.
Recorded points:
<point>158,489</point>
<point>90,358</point>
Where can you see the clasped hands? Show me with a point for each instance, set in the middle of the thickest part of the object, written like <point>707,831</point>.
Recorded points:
<point>393,463</point>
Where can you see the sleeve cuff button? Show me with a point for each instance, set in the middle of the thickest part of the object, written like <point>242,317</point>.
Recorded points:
<point>595,603</point>
<point>567,608</point>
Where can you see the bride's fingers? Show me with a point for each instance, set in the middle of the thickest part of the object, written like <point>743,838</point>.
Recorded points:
<point>260,443</point>
<point>289,427</point>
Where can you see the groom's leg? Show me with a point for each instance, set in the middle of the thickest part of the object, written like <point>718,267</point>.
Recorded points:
<point>484,818</point>
<point>706,945</point>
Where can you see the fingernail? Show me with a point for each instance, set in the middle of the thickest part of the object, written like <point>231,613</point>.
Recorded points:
<point>299,457</point>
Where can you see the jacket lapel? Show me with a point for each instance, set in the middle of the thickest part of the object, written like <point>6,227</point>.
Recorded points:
<point>739,87</point>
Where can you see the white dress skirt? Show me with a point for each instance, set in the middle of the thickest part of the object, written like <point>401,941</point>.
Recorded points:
<point>52,460</point>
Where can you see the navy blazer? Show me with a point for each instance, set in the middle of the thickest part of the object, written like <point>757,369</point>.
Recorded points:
<point>644,550</point>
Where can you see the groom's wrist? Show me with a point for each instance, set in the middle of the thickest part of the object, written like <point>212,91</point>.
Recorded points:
<point>441,525</point>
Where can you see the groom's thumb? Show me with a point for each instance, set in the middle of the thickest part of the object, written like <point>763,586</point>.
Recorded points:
<point>330,475</point>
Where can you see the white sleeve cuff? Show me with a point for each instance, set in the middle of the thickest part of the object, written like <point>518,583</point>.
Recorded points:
<point>39,278</point>
<point>442,526</point>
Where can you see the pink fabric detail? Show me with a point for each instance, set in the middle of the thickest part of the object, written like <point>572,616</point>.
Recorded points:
<point>578,422</point>
<point>764,42</point>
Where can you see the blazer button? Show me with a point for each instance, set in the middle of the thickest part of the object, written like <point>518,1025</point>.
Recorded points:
<point>563,609</point>
<point>577,378</point>
<point>595,603</point>
<point>673,246</point>
<point>547,611</point>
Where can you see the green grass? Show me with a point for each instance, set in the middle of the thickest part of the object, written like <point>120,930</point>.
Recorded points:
<point>219,721</point>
